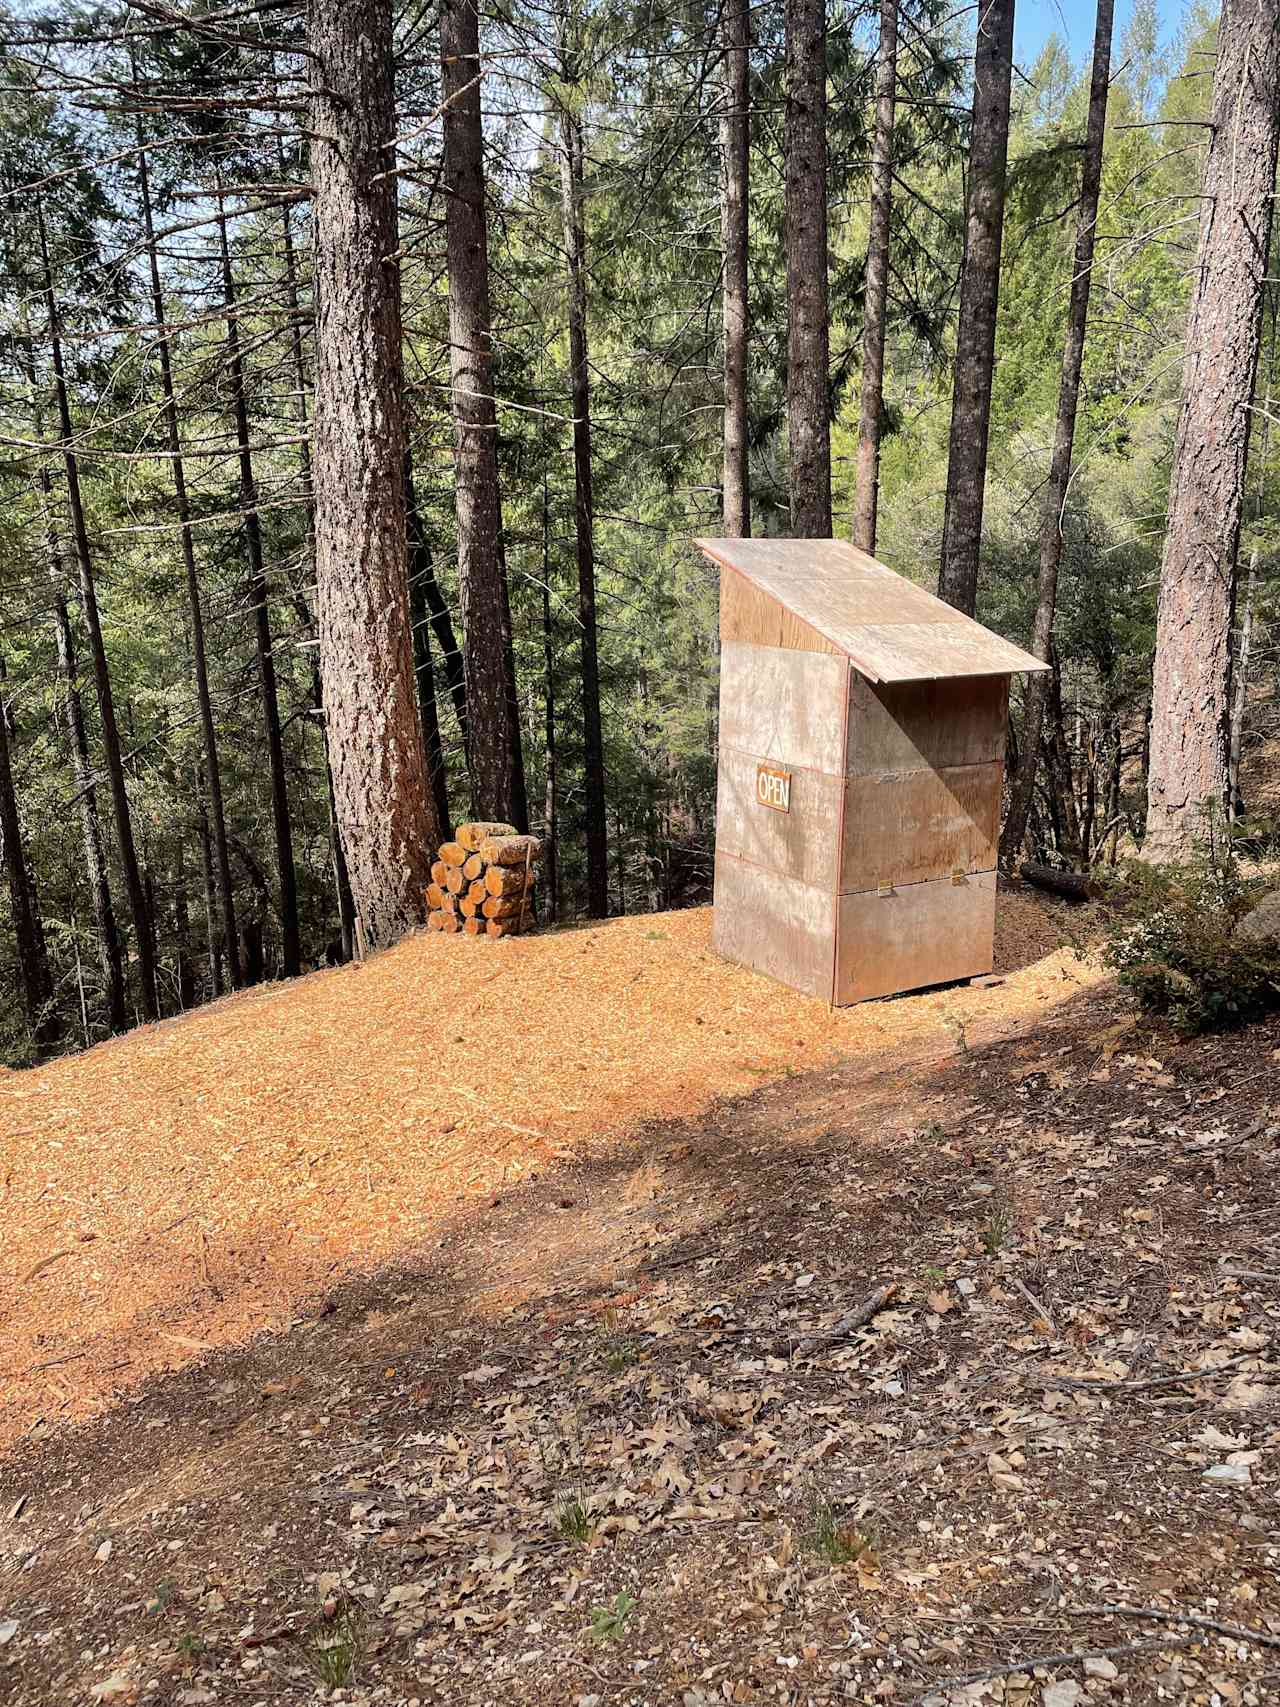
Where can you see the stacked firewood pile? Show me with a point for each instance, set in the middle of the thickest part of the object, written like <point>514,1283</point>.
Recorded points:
<point>482,881</point>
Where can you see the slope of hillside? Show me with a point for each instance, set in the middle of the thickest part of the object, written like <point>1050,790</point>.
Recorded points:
<point>194,1182</point>
<point>944,1375</point>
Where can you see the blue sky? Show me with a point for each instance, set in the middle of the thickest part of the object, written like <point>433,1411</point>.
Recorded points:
<point>1036,20</point>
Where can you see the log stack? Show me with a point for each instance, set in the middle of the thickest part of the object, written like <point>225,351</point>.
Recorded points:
<point>482,882</point>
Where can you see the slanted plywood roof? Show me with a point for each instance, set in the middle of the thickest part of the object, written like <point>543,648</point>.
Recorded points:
<point>890,629</point>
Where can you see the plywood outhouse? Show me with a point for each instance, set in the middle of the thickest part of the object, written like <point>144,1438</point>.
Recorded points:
<point>862,737</point>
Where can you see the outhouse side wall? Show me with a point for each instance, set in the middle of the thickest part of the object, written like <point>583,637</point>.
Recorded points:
<point>777,873</point>
<point>758,619</point>
<point>925,772</point>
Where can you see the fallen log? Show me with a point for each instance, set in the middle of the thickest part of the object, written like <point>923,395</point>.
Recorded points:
<point>500,927</point>
<point>1071,885</point>
<point>469,907</point>
<point>476,891</point>
<point>472,835</point>
<point>439,870</point>
<point>504,880</point>
<point>435,896</point>
<point>511,850</point>
<point>453,853</point>
<point>503,906</point>
<point>433,920</point>
<point>473,868</point>
<point>455,881</point>
<point>473,927</point>
<point>450,923</point>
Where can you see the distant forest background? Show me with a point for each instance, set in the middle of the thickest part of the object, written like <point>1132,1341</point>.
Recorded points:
<point>157,357</point>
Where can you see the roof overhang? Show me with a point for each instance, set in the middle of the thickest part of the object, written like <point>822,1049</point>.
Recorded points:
<point>890,629</point>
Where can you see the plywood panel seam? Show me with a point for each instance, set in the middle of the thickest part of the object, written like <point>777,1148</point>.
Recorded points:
<point>920,882</point>
<point>771,871</point>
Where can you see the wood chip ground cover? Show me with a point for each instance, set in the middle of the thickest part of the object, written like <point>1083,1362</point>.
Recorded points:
<point>598,1440</point>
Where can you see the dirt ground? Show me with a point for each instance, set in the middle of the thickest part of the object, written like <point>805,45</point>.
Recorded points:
<point>190,1184</point>
<point>885,1352</point>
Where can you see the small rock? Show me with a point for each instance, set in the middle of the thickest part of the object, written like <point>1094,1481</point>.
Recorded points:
<point>1237,1475</point>
<point>1096,1666</point>
<point>1064,1694</point>
<point>1263,923</point>
<point>8,1630</point>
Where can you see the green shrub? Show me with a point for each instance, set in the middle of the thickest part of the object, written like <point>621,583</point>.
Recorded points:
<point>1171,939</point>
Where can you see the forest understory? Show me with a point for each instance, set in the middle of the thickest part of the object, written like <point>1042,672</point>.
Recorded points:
<point>613,1431</point>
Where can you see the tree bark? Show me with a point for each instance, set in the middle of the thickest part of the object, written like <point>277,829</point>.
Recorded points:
<point>110,956</point>
<point>1191,689</point>
<point>95,858</point>
<point>386,815</point>
<point>147,996</point>
<point>1055,497</point>
<point>182,931</point>
<point>291,947</point>
<point>571,201</point>
<point>212,765</point>
<point>421,571</point>
<point>805,151</point>
<point>493,724</point>
<point>735,175</point>
<point>876,295</point>
<point>979,299</point>
<point>551,807</point>
<point>33,959</point>
<point>341,882</point>
<point>210,896</point>
<point>1240,688</point>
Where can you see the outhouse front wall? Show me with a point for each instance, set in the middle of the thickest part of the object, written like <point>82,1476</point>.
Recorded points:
<point>777,873</point>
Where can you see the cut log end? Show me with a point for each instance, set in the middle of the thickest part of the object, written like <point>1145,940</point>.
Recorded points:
<point>473,835</point>
<point>504,880</point>
<point>511,850</point>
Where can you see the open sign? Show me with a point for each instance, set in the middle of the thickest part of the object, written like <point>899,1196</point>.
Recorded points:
<point>773,788</point>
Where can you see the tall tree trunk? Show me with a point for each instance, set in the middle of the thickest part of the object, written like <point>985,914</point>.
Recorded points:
<point>451,659</point>
<point>1240,688</point>
<point>979,299</point>
<point>110,956</point>
<point>421,570</point>
<point>212,765</point>
<point>735,174</point>
<point>1191,688</point>
<point>571,201</point>
<point>182,931</point>
<point>876,296</point>
<point>210,895</point>
<point>342,883</point>
<point>493,723</point>
<point>1064,790</point>
<point>291,947</point>
<point>1055,497</point>
<point>95,858</point>
<point>147,995</point>
<point>33,959</point>
<point>805,150</point>
<point>386,814</point>
<point>551,809</point>
<point>1244,640</point>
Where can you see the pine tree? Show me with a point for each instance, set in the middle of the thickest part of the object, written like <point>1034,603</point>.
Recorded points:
<point>1191,694</point>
